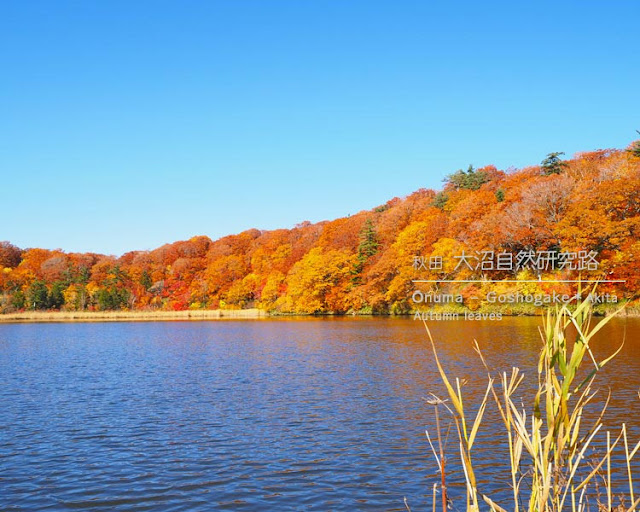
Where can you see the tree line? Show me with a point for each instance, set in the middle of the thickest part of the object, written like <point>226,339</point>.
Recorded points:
<point>364,262</point>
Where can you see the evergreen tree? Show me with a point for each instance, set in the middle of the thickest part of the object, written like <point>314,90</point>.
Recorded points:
<point>368,247</point>
<point>38,295</point>
<point>84,274</point>
<point>470,179</point>
<point>112,298</point>
<point>145,279</point>
<point>368,241</point>
<point>18,300</point>
<point>635,149</point>
<point>553,164</point>
<point>56,298</point>
<point>440,200</point>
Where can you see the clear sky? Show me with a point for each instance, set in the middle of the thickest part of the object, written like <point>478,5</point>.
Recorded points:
<point>128,124</point>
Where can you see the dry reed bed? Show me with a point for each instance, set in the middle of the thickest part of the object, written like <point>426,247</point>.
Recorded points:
<point>130,316</point>
<point>549,438</point>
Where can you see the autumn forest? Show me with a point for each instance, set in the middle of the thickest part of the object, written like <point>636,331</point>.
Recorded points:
<point>365,263</point>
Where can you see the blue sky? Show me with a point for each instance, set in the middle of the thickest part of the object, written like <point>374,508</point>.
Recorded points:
<point>125,125</point>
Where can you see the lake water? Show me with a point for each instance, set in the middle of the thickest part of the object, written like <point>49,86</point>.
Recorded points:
<point>274,415</point>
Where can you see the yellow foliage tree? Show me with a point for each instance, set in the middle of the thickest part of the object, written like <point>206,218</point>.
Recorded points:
<point>319,282</point>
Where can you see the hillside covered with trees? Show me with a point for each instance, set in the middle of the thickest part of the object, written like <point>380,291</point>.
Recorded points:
<point>366,262</point>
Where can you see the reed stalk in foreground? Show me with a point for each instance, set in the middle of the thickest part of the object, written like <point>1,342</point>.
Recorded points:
<point>548,441</point>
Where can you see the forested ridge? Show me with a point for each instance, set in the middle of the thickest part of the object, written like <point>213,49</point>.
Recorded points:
<point>366,262</point>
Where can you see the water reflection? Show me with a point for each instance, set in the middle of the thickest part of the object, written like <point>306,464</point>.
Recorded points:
<point>313,414</point>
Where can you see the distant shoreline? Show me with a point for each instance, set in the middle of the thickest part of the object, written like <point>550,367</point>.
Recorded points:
<point>131,316</point>
<point>233,314</point>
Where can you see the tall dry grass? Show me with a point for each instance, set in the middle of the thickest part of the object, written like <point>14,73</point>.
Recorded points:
<point>549,439</point>
<point>132,316</point>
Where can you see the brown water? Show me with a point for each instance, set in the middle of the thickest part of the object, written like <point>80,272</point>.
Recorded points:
<point>313,414</point>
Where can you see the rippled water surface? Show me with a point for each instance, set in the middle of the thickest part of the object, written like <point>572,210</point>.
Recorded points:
<point>274,415</point>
